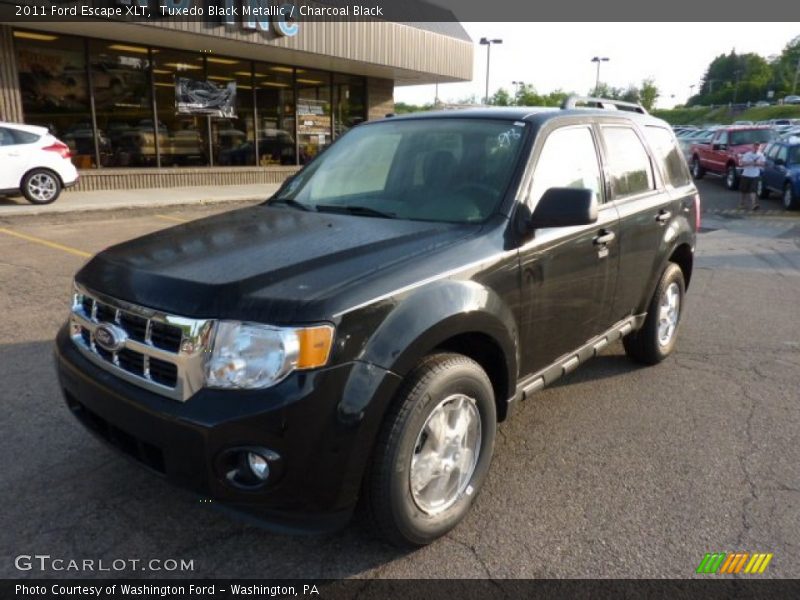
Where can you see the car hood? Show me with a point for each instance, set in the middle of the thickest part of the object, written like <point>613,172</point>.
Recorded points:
<point>267,264</point>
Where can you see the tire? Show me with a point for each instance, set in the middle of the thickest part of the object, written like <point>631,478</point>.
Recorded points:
<point>649,345</point>
<point>790,200</point>
<point>731,178</point>
<point>440,387</point>
<point>762,190</point>
<point>41,186</point>
<point>698,172</point>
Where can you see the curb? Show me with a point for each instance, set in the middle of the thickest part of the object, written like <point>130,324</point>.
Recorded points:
<point>20,211</point>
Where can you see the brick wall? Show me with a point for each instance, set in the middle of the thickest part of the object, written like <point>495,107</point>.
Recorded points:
<point>127,179</point>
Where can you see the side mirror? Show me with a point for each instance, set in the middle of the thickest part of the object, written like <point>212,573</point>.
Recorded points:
<point>779,162</point>
<point>719,146</point>
<point>565,207</point>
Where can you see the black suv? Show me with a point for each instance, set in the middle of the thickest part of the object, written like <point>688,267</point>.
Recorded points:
<point>361,334</point>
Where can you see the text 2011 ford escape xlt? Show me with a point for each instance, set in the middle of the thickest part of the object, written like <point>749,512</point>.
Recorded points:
<point>360,335</point>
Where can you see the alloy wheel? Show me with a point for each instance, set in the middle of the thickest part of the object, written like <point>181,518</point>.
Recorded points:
<point>669,313</point>
<point>445,454</point>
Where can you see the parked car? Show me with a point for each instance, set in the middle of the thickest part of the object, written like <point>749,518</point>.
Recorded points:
<point>781,173</point>
<point>722,154</point>
<point>791,99</point>
<point>361,334</point>
<point>762,103</point>
<point>34,163</point>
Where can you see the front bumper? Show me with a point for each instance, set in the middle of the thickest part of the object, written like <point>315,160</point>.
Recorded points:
<point>322,424</point>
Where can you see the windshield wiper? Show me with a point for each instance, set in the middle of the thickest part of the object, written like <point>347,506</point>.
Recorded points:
<point>364,211</point>
<point>290,202</point>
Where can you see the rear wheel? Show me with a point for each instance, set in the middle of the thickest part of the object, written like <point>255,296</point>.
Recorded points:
<point>731,178</point>
<point>791,201</point>
<point>433,452</point>
<point>656,340</point>
<point>41,186</point>
<point>697,171</point>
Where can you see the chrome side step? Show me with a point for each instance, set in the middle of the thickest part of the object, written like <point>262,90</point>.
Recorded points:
<point>570,361</point>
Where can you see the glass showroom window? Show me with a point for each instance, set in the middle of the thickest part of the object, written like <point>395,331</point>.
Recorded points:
<point>233,137</point>
<point>313,113</point>
<point>274,87</point>
<point>55,91</point>
<point>182,137</point>
<point>349,101</point>
<point>123,105</point>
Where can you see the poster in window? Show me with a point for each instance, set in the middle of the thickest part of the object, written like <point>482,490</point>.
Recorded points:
<point>195,97</point>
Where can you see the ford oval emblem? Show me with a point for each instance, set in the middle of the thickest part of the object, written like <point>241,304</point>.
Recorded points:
<point>109,337</point>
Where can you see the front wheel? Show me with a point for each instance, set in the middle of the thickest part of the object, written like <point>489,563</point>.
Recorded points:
<point>656,340</point>
<point>791,201</point>
<point>41,186</point>
<point>434,451</point>
<point>731,178</point>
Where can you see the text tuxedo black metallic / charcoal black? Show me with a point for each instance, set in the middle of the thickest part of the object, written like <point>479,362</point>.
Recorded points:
<point>360,335</point>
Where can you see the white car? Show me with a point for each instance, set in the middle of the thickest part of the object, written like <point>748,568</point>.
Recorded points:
<point>34,163</point>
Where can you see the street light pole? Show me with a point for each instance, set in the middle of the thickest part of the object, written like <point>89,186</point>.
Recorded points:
<point>517,85</point>
<point>488,43</point>
<point>598,60</point>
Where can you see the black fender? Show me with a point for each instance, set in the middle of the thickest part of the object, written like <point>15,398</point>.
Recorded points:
<point>427,317</point>
<point>678,233</point>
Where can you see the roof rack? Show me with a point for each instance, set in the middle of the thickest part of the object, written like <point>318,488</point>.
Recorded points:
<point>603,103</point>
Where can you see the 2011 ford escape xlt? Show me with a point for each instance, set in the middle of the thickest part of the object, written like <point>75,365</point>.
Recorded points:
<point>361,334</point>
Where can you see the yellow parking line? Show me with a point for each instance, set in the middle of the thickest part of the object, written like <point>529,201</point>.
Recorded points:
<point>36,240</point>
<point>176,219</point>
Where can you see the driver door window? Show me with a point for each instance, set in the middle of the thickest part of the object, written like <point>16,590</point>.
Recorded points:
<point>568,159</point>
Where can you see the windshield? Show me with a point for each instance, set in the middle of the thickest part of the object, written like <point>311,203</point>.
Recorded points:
<point>752,136</point>
<point>453,170</point>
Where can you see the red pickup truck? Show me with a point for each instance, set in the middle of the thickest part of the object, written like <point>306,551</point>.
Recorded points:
<point>722,155</point>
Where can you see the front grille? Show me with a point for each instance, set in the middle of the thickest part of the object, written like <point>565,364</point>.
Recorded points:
<point>164,353</point>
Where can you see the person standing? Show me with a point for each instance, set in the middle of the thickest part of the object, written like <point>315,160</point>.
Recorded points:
<point>752,161</point>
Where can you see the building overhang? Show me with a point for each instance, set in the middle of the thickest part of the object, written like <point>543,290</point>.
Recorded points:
<point>406,54</point>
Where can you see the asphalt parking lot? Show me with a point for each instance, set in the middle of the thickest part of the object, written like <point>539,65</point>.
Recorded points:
<point>615,471</point>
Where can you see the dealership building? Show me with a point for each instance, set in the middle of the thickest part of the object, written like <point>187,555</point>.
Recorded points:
<point>138,102</point>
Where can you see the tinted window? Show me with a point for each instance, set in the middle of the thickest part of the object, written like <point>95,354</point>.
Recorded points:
<point>24,137</point>
<point>6,137</point>
<point>453,170</point>
<point>669,156</point>
<point>794,155</point>
<point>782,154</point>
<point>568,159</point>
<point>752,136</point>
<point>628,162</point>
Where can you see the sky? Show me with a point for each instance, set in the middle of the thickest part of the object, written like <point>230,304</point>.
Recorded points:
<point>558,55</point>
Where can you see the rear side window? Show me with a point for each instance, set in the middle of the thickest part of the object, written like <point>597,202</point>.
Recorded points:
<point>628,162</point>
<point>668,155</point>
<point>6,137</point>
<point>24,137</point>
<point>568,159</point>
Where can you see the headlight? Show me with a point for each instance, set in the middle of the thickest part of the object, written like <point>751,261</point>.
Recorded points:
<point>250,355</point>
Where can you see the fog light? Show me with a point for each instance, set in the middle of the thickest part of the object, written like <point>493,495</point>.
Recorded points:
<point>258,466</point>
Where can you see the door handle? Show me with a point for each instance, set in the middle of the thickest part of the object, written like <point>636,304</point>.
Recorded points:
<point>663,216</point>
<point>605,237</point>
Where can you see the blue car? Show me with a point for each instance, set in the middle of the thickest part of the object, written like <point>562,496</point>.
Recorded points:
<point>781,172</point>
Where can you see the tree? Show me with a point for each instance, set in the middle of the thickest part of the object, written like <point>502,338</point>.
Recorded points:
<point>648,93</point>
<point>501,98</point>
